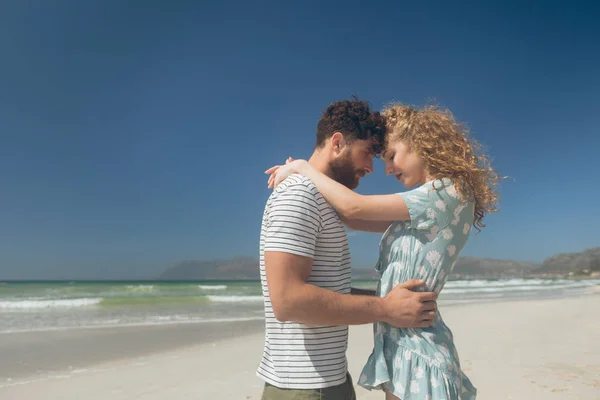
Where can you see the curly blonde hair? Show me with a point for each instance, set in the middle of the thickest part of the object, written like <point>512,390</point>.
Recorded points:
<point>448,151</point>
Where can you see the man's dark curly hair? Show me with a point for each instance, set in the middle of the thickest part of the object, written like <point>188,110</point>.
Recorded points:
<point>355,120</point>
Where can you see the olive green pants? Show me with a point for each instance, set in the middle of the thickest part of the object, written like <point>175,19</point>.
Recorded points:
<point>344,391</point>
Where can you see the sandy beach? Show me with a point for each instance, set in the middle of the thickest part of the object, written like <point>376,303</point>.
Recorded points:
<point>533,349</point>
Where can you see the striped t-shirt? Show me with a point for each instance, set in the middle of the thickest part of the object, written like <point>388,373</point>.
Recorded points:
<point>298,220</point>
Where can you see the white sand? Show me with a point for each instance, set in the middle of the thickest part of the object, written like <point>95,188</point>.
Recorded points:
<point>542,349</point>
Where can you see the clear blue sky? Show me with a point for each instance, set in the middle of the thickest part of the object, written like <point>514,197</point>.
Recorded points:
<point>135,134</point>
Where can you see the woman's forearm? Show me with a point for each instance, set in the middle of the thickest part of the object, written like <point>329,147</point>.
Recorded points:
<point>341,198</point>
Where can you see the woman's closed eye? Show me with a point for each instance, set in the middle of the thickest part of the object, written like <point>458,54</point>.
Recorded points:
<point>387,155</point>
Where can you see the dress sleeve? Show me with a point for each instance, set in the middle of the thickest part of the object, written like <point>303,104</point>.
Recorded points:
<point>425,205</point>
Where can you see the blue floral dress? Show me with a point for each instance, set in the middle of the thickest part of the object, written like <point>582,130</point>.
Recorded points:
<point>421,363</point>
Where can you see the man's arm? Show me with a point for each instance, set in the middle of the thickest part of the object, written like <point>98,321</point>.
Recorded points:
<point>293,299</point>
<point>362,292</point>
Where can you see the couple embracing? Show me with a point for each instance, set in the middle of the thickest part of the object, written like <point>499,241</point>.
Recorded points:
<point>305,263</point>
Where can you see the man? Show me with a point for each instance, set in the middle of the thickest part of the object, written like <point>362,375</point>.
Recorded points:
<point>305,268</point>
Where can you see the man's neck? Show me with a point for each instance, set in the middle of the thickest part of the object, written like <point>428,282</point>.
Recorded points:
<point>320,162</point>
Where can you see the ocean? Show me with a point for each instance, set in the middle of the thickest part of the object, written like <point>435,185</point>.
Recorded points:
<point>41,306</point>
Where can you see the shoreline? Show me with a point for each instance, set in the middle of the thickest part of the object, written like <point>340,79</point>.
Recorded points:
<point>520,348</point>
<point>130,325</point>
<point>28,355</point>
<point>474,277</point>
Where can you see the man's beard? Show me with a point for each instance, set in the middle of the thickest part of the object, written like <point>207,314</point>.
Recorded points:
<point>344,172</point>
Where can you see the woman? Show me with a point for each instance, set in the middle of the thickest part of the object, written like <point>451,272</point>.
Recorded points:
<point>428,227</point>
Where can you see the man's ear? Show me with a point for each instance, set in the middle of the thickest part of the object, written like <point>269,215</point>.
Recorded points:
<point>338,142</point>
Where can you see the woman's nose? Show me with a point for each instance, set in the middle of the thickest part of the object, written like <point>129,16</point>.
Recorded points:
<point>388,168</point>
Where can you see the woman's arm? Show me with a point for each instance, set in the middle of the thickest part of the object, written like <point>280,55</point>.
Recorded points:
<point>349,204</point>
<point>366,226</point>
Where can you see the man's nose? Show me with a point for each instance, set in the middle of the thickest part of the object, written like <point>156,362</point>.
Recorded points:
<point>369,167</point>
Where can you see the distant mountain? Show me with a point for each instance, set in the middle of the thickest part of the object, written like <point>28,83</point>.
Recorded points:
<point>487,268</point>
<point>234,269</point>
<point>237,268</point>
<point>584,264</point>
<point>572,264</point>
